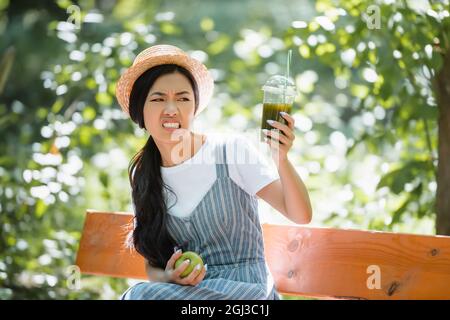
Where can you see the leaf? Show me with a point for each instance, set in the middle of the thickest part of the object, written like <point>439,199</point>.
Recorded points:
<point>170,28</point>
<point>59,103</point>
<point>103,98</point>
<point>436,62</point>
<point>399,211</point>
<point>369,138</point>
<point>6,64</point>
<point>207,24</point>
<point>64,4</point>
<point>413,196</point>
<point>89,113</point>
<point>359,91</point>
<point>85,135</point>
<point>219,45</point>
<point>40,208</point>
<point>396,179</point>
<point>91,84</point>
<point>104,179</point>
<point>304,51</point>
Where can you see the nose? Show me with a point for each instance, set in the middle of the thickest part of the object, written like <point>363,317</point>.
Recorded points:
<point>170,109</point>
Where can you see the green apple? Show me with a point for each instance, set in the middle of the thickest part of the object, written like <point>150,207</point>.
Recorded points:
<point>194,258</point>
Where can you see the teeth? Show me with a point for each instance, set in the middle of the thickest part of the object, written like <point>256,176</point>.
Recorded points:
<point>171,125</point>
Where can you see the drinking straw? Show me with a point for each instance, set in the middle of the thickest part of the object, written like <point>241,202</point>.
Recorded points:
<point>288,71</point>
<point>288,65</point>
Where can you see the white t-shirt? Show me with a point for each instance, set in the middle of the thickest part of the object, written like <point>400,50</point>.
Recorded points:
<point>192,179</point>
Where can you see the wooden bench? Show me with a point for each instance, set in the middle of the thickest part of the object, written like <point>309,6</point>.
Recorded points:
<point>304,261</point>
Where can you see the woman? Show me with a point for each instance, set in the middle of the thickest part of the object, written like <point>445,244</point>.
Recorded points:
<point>182,203</point>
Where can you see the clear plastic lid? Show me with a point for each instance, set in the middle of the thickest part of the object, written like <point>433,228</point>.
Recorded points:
<point>278,84</point>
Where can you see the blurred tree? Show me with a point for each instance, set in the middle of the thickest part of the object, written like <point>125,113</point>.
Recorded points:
<point>394,59</point>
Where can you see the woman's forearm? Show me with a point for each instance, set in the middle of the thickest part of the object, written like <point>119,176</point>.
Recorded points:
<point>156,274</point>
<point>296,198</point>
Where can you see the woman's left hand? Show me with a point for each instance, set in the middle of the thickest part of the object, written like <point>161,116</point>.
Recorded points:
<point>280,141</point>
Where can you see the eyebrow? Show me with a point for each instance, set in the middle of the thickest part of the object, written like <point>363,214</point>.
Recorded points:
<point>163,94</point>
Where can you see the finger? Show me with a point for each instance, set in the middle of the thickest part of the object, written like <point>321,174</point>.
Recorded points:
<point>178,271</point>
<point>277,136</point>
<point>278,140</point>
<point>284,128</point>
<point>290,120</point>
<point>271,142</point>
<point>276,146</point>
<point>190,278</point>
<point>173,259</point>
<point>201,275</point>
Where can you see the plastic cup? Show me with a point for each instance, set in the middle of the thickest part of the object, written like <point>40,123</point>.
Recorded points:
<point>279,95</point>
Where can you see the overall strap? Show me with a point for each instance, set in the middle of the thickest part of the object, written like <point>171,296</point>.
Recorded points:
<point>221,160</point>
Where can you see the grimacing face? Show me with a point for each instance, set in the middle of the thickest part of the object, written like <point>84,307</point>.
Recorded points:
<point>169,107</point>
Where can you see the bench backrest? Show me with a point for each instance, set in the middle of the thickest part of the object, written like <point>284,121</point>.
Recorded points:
<point>304,261</point>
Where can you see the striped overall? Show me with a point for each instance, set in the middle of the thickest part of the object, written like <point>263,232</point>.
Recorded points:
<point>224,229</point>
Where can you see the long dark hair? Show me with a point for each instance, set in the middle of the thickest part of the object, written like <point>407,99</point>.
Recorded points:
<point>150,236</point>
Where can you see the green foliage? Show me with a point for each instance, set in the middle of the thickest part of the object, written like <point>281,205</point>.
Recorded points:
<point>388,70</point>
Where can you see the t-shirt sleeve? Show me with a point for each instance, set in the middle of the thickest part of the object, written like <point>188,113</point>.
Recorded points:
<point>248,167</point>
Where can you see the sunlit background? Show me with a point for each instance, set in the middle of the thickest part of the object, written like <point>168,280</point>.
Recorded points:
<point>366,113</point>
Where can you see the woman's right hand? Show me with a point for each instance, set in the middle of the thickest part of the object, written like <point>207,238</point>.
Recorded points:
<point>194,278</point>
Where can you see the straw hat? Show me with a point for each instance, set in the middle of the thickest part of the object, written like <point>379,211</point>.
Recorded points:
<point>165,54</point>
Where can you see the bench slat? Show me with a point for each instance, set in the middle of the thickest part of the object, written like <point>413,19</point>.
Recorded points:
<point>305,261</point>
<point>101,250</point>
<point>334,262</point>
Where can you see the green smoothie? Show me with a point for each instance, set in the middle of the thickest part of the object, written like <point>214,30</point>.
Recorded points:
<point>271,111</point>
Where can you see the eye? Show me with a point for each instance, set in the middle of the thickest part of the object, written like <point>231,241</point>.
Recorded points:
<point>183,99</point>
<point>157,100</point>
